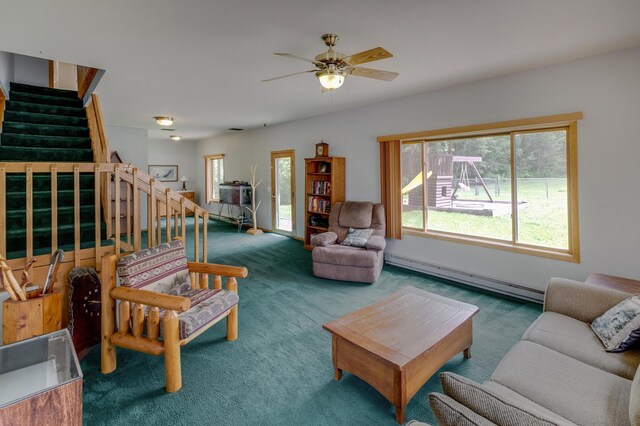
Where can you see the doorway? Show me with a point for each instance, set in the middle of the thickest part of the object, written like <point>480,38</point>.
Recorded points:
<point>283,189</point>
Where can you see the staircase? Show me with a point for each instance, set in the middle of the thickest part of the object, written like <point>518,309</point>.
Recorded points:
<point>46,125</point>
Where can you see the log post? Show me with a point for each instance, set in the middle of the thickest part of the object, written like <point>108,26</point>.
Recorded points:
<point>232,318</point>
<point>172,352</point>
<point>217,282</point>
<point>108,313</point>
<point>137,320</point>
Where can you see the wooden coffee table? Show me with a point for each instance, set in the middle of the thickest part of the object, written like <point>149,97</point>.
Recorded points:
<point>397,343</point>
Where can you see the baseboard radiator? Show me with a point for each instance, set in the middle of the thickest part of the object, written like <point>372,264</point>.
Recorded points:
<point>467,278</point>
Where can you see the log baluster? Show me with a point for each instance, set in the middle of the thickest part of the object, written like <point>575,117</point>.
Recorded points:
<point>167,219</point>
<point>217,282</point>
<point>137,319</point>
<point>116,214</point>
<point>153,323</point>
<point>76,214</point>
<point>54,210</point>
<point>124,316</point>
<point>194,280</point>
<point>96,216</point>
<point>137,232</point>
<point>29,210</point>
<point>3,213</point>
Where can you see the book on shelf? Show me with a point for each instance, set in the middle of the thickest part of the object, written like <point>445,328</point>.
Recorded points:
<point>320,187</point>
<point>319,205</point>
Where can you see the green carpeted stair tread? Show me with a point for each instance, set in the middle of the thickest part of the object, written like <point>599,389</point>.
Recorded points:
<point>44,91</point>
<point>42,129</point>
<point>44,141</point>
<point>42,199</point>
<point>16,182</point>
<point>37,108</point>
<point>46,119</point>
<point>68,247</point>
<point>45,100</point>
<point>17,218</point>
<point>14,153</point>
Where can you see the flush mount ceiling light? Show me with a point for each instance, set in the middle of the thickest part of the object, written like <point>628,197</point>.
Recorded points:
<point>175,137</point>
<point>164,121</point>
<point>331,77</point>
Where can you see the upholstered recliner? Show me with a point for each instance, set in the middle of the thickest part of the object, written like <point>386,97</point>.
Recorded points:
<point>333,260</point>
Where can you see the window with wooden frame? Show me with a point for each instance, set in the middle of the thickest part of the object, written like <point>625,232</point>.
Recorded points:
<point>509,185</point>
<point>213,176</point>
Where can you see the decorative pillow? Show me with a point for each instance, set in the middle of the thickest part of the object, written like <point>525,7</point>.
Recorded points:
<point>619,328</point>
<point>357,237</point>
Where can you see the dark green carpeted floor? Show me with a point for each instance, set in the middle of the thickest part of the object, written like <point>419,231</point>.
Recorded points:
<point>279,371</point>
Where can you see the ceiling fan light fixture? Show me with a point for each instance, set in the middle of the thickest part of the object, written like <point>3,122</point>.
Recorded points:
<point>164,121</point>
<point>331,78</point>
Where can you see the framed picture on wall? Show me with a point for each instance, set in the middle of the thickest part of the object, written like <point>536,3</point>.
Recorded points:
<point>164,173</point>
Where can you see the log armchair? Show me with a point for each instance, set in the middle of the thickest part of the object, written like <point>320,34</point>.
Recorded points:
<point>164,303</point>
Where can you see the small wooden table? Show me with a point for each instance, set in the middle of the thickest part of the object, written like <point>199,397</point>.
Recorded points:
<point>397,343</point>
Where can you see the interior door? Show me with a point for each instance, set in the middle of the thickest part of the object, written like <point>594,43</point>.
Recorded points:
<point>283,189</point>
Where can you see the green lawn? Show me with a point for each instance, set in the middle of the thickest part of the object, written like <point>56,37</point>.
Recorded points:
<point>542,220</point>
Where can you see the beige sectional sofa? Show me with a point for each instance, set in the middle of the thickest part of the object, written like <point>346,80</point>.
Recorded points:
<point>558,374</point>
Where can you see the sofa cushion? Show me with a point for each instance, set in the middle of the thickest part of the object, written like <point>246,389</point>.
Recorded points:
<point>356,214</point>
<point>496,407</point>
<point>505,392</point>
<point>357,237</point>
<point>162,269</point>
<point>570,388</point>
<point>616,326</point>
<point>449,412</point>
<point>576,339</point>
<point>324,239</point>
<point>206,306</point>
<point>345,255</point>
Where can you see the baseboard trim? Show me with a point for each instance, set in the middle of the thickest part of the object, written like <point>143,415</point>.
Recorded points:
<point>468,278</point>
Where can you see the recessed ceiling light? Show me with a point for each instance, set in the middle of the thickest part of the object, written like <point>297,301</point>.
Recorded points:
<point>175,137</point>
<point>164,121</point>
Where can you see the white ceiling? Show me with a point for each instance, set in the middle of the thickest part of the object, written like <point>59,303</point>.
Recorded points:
<point>201,61</point>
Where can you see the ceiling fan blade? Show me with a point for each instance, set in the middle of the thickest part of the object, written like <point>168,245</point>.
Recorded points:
<point>288,75</point>
<point>368,56</point>
<point>302,58</point>
<point>371,73</point>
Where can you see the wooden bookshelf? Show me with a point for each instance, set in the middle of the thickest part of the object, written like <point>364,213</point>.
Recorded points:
<point>324,186</point>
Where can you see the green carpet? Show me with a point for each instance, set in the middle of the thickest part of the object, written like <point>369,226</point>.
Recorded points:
<point>50,125</point>
<point>279,371</point>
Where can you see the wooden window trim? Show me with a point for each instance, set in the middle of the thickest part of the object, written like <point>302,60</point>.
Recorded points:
<point>208,178</point>
<point>567,122</point>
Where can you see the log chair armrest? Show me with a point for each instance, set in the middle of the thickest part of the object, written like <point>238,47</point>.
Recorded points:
<point>324,239</point>
<point>376,242</point>
<point>582,301</point>
<point>214,269</point>
<point>151,298</point>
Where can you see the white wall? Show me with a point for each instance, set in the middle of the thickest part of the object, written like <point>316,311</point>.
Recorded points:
<point>605,87</point>
<point>6,71</point>
<point>30,70</point>
<point>182,154</point>
<point>132,146</point>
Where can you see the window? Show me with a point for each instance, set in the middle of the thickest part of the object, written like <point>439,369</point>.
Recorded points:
<point>213,176</point>
<point>509,185</point>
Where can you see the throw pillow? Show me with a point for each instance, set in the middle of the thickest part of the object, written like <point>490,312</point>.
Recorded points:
<point>357,237</point>
<point>619,328</point>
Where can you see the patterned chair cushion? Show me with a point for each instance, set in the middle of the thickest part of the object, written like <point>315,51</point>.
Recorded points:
<point>206,306</point>
<point>162,269</point>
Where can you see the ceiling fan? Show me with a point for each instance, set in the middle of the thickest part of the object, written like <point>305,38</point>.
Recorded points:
<point>333,67</point>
